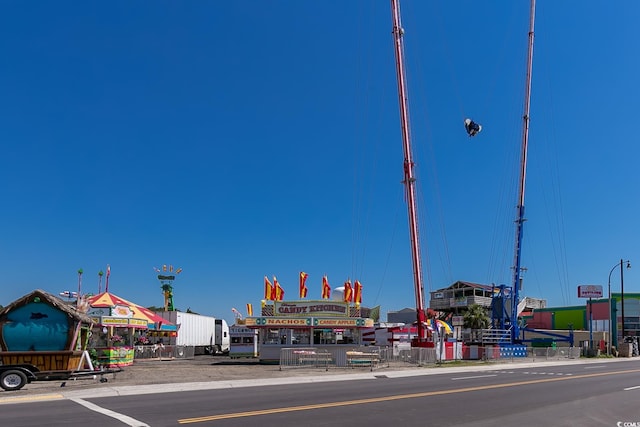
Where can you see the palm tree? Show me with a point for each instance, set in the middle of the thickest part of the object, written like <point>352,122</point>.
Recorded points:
<point>476,318</point>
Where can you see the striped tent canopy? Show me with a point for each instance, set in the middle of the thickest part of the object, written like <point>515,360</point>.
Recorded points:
<point>154,321</point>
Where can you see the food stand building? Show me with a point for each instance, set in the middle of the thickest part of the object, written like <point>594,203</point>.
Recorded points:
<point>121,324</point>
<point>323,324</point>
<point>43,330</point>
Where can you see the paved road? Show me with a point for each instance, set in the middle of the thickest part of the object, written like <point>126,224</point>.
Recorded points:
<point>590,392</point>
<point>216,372</point>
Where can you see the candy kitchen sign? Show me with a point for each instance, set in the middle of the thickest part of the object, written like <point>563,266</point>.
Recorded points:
<point>311,308</point>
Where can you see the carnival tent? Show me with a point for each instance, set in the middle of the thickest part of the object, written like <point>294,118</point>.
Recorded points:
<point>154,322</point>
<point>440,324</point>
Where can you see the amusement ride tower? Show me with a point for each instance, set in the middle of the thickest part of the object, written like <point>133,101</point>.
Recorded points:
<point>166,276</point>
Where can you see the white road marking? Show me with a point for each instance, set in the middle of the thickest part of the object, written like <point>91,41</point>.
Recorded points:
<point>544,373</point>
<point>469,378</point>
<point>631,388</point>
<point>118,416</point>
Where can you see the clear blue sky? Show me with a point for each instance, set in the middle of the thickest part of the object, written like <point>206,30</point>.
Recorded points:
<point>241,139</point>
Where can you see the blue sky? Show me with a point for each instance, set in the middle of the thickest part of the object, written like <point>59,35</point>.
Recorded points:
<point>243,139</point>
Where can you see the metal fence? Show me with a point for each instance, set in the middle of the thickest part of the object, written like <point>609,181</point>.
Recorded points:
<point>385,357</point>
<point>305,358</point>
<point>558,353</point>
<point>163,352</point>
<point>357,357</point>
<point>314,357</point>
<point>414,356</point>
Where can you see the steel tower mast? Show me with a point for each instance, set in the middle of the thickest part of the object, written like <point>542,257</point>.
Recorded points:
<point>515,329</point>
<point>409,179</point>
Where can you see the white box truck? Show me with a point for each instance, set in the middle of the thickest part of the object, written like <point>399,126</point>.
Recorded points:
<point>208,335</point>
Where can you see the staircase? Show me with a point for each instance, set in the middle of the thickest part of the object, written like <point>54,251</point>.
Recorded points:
<point>496,336</point>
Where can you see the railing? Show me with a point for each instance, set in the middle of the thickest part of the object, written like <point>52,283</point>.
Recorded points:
<point>305,357</point>
<point>358,357</point>
<point>415,356</point>
<point>159,351</point>
<point>496,336</point>
<point>383,357</point>
<point>312,357</point>
<point>558,353</point>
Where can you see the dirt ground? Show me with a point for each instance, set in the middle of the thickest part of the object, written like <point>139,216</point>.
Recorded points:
<point>167,371</point>
<point>202,368</point>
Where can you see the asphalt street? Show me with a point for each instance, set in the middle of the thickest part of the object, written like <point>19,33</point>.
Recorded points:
<point>207,372</point>
<point>569,392</point>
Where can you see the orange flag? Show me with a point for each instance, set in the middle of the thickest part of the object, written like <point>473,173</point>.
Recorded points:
<point>278,291</point>
<point>303,286</point>
<point>357,293</point>
<point>268,289</point>
<point>348,291</point>
<point>326,289</point>
<point>249,310</point>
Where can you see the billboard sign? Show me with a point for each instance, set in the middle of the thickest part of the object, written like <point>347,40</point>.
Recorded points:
<point>590,291</point>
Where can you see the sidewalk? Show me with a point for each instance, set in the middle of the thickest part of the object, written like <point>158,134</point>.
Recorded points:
<point>206,372</point>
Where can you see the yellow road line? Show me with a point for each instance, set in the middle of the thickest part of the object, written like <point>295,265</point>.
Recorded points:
<point>31,398</point>
<point>391,398</point>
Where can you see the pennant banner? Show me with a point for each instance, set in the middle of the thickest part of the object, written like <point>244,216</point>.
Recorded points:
<point>268,289</point>
<point>357,292</point>
<point>348,291</point>
<point>278,291</point>
<point>303,286</point>
<point>326,289</point>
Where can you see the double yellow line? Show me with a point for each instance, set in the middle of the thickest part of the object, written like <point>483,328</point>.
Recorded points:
<point>38,398</point>
<point>391,398</point>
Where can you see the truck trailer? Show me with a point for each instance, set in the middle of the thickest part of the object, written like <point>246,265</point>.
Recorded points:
<point>208,335</point>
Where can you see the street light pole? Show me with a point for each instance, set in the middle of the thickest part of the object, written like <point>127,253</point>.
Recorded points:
<point>622,295</point>
<point>621,298</point>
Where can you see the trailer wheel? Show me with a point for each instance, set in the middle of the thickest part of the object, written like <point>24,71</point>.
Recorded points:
<point>12,380</point>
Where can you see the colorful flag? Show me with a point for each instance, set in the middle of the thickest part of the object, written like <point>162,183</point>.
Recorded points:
<point>164,267</point>
<point>348,291</point>
<point>178,271</point>
<point>268,289</point>
<point>303,286</point>
<point>106,283</point>
<point>249,310</point>
<point>326,289</point>
<point>357,292</point>
<point>279,292</point>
